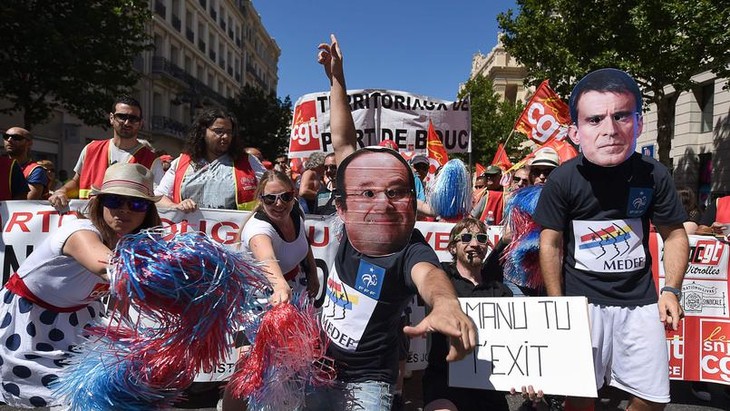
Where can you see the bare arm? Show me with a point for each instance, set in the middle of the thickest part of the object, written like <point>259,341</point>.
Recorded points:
<point>309,185</point>
<point>87,248</point>
<point>344,138</point>
<point>60,197</point>
<point>263,251</point>
<point>312,278</point>
<point>446,315</point>
<point>36,192</point>
<point>676,254</point>
<point>187,206</point>
<point>551,248</point>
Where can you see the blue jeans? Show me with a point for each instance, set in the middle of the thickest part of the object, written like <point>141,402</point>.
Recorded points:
<point>366,396</point>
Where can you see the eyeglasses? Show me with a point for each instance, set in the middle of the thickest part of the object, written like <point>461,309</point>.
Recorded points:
<point>395,194</point>
<point>421,166</point>
<point>330,167</point>
<point>518,180</point>
<point>113,202</point>
<point>220,132</point>
<point>14,137</point>
<point>537,171</point>
<point>270,199</point>
<point>467,237</point>
<point>123,118</point>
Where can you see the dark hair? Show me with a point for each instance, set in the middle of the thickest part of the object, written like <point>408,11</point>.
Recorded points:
<point>129,101</point>
<point>688,198</point>
<point>340,191</point>
<point>195,144</point>
<point>95,212</point>
<point>466,222</point>
<point>607,80</point>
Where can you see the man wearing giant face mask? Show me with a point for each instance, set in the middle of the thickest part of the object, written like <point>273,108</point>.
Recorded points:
<point>381,262</point>
<point>596,211</point>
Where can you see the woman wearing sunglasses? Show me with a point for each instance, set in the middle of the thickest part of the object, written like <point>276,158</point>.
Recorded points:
<point>55,292</point>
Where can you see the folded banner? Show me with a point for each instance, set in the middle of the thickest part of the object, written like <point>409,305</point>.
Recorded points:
<point>545,117</point>
<point>382,115</point>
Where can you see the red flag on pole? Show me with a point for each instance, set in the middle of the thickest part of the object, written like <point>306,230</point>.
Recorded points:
<point>500,158</point>
<point>545,117</point>
<point>564,149</point>
<point>437,155</point>
<point>480,169</point>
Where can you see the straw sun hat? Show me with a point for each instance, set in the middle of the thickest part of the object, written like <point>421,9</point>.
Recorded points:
<point>125,179</point>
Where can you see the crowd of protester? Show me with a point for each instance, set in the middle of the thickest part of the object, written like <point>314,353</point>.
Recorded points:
<point>124,176</point>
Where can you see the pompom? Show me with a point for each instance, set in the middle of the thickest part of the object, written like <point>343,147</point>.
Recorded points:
<point>521,257</point>
<point>450,192</point>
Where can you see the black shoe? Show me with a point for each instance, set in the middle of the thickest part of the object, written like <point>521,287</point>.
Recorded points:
<point>398,403</point>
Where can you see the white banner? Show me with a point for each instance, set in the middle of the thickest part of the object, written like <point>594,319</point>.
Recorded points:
<point>382,115</point>
<point>539,341</point>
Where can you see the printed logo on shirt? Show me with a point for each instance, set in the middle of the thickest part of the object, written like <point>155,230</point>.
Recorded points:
<point>639,199</point>
<point>370,279</point>
<point>345,313</point>
<point>609,246</point>
<point>247,183</point>
<point>100,290</point>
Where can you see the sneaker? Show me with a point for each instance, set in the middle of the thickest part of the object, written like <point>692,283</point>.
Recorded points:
<point>701,391</point>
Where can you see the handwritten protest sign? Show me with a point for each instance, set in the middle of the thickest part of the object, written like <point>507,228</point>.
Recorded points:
<point>540,341</point>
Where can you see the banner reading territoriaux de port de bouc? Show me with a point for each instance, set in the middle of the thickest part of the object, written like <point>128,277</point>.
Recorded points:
<point>382,115</point>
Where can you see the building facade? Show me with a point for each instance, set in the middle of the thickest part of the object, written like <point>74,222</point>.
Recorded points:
<point>204,52</point>
<point>506,73</point>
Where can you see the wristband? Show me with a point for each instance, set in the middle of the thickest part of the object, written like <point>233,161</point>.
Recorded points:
<point>675,291</point>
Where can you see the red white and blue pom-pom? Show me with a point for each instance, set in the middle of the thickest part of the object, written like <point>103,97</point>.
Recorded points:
<point>450,192</point>
<point>521,257</point>
<point>287,356</point>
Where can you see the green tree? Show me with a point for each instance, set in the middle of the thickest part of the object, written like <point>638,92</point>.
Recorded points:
<point>659,42</point>
<point>75,54</point>
<point>492,120</point>
<point>264,120</point>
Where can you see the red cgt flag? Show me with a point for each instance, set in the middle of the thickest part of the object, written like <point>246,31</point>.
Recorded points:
<point>546,116</point>
<point>479,169</point>
<point>500,158</point>
<point>564,149</point>
<point>437,155</point>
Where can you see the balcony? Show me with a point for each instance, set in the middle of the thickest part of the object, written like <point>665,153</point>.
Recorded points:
<point>201,45</point>
<point>165,67</point>
<point>176,23</point>
<point>169,127</point>
<point>190,35</point>
<point>160,9</point>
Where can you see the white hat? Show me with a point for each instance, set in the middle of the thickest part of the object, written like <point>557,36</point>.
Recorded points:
<point>127,179</point>
<point>547,157</point>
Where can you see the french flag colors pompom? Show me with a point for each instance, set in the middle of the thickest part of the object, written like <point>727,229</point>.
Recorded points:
<point>521,256</point>
<point>188,295</point>
<point>287,356</point>
<point>450,195</point>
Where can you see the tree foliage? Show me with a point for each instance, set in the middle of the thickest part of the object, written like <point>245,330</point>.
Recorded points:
<point>264,120</point>
<point>659,42</point>
<point>75,54</point>
<point>492,120</point>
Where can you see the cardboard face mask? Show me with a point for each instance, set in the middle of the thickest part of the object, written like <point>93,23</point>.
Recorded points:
<point>377,203</point>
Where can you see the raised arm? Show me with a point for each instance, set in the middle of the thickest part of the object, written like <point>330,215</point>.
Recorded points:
<point>342,127</point>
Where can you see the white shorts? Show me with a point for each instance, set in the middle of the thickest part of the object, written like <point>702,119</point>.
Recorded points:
<point>630,350</point>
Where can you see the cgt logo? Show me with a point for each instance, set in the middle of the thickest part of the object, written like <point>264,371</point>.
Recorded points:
<point>715,351</point>
<point>706,252</point>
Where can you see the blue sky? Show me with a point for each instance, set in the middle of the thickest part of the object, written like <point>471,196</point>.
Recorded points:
<point>424,47</point>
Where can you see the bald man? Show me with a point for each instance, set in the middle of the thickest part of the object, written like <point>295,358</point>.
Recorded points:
<point>18,142</point>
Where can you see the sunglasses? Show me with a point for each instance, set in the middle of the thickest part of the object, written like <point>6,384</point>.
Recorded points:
<point>270,199</point>
<point>537,171</point>
<point>114,202</point>
<point>330,167</point>
<point>517,180</point>
<point>122,118</point>
<point>15,137</point>
<point>481,238</point>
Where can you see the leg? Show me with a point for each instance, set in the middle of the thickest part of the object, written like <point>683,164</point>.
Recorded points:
<point>369,396</point>
<point>440,405</point>
<point>639,404</point>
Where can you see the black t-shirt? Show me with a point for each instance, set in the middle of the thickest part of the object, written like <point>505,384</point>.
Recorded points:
<point>364,299</point>
<point>604,214</point>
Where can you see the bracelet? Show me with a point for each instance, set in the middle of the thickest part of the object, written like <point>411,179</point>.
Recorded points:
<point>677,292</point>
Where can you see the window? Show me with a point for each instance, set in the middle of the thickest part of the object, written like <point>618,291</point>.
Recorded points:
<point>707,101</point>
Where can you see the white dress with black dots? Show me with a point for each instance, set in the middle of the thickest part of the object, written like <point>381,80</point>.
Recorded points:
<point>35,342</point>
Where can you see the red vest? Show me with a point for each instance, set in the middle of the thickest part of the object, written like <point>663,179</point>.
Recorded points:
<point>97,160</point>
<point>243,175</point>
<point>6,171</point>
<point>723,210</point>
<point>28,169</point>
<point>495,204</point>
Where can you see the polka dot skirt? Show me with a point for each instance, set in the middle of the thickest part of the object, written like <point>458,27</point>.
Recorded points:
<point>34,346</point>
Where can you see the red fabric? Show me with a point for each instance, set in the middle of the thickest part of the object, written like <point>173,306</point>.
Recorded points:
<point>495,204</point>
<point>545,117</point>
<point>500,158</point>
<point>723,209</point>
<point>243,173</point>
<point>563,148</point>
<point>437,154</point>
<point>28,169</point>
<point>18,287</point>
<point>480,169</point>
<point>97,161</point>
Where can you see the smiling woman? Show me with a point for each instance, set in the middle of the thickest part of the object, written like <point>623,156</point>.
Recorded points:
<point>55,293</point>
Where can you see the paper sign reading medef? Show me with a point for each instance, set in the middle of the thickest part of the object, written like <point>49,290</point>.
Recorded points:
<point>540,341</point>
